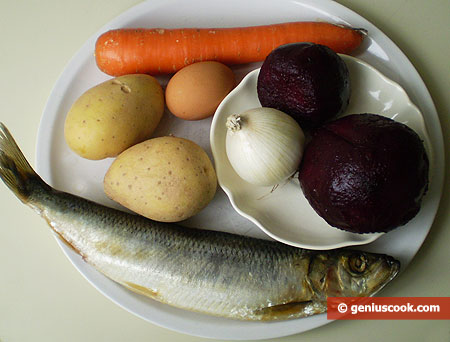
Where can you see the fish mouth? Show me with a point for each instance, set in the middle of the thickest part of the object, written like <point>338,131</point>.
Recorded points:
<point>394,266</point>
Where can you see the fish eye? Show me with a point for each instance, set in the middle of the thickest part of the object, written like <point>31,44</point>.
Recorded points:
<point>357,263</point>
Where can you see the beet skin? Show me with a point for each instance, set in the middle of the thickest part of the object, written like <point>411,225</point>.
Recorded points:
<point>365,173</point>
<point>309,82</point>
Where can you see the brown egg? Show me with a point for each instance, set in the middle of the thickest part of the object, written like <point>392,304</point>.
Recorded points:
<point>195,92</point>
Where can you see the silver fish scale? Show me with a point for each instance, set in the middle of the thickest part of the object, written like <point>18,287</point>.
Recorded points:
<point>186,267</point>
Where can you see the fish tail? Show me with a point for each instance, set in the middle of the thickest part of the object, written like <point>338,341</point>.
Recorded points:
<point>15,170</point>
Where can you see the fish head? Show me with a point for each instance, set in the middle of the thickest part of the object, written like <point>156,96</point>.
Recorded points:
<point>351,273</point>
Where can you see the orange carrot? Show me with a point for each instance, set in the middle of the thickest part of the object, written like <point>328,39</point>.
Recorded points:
<point>159,51</point>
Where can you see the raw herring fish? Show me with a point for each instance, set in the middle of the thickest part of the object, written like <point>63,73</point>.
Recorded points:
<point>204,271</point>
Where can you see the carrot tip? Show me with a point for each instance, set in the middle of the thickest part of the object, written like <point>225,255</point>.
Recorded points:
<point>361,30</point>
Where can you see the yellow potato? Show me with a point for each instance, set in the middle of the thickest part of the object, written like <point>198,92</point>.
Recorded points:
<point>114,115</point>
<point>166,179</point>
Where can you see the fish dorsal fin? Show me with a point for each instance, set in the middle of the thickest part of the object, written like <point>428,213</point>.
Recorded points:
<point>291,310</point>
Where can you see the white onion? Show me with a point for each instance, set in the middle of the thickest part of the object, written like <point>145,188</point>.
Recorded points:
<point>264,145</point>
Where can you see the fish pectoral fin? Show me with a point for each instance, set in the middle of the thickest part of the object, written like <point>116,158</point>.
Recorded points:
<point>291,310</point>
<point>141,289</point>
<point>67,243</point>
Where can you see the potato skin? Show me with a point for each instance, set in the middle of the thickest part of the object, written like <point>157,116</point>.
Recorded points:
<point>114,115</point>
<point>166,179</point>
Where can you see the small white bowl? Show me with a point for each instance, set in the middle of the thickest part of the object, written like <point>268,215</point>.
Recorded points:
<point>285,214</point>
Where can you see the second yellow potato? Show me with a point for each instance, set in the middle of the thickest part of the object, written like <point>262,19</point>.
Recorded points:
<point>166,179</point>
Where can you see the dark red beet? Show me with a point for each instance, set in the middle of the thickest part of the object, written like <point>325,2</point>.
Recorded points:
<point>308,81</point>
<point>365,173</point>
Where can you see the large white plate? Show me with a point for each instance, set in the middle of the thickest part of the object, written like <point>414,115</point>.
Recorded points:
<point>64,170</point>
<point>285,214</point>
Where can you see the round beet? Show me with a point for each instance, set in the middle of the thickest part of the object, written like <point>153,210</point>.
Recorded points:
<point>308,81</point>
<point>365,173</point>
